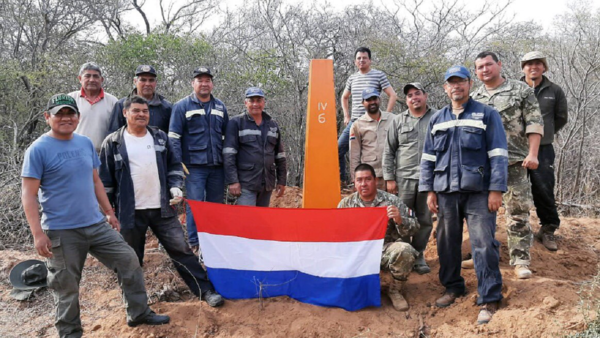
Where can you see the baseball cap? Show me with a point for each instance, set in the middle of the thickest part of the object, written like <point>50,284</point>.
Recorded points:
<point>457,70</point>
<point>202,71</point>
<point>415,85</point>
<point>59,101</point>
<point>369,93</point>
<point>535,55</point>
<point>254,91</point>
<point>145,69</point>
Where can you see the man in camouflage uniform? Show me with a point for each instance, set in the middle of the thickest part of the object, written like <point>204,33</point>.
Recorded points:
<point>524,126</point>
<point>401,159</point>
<point>398,257</point>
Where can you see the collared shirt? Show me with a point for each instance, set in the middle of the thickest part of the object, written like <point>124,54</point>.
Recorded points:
<point>94,101</point>
<point>404,146</point>
<point>520,112</point>
<point>367,140</point>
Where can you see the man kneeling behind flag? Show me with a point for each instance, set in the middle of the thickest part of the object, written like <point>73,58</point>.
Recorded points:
<point>318,256</point>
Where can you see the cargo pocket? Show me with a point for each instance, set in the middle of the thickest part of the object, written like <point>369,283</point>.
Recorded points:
<point>56,264</point>
<point>198,154</point>
<point>440,141</point>
<point>440,178</point>
<point>471,179</point>
<point>471,138</point>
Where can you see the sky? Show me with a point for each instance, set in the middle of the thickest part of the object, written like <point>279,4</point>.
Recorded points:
<point>540,11</point>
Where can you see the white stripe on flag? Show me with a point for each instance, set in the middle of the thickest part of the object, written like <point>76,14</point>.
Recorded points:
<point>324,259</point>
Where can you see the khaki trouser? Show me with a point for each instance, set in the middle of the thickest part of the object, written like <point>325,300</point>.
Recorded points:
<point>69,249</point>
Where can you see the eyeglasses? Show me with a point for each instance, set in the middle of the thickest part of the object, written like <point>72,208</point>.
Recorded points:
<point>457,82</point>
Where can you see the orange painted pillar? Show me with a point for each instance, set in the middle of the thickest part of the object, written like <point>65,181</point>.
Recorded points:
<point>321,168</point>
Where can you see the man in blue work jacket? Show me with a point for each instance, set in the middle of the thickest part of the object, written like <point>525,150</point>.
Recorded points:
<point>464,171</point>
<point>197,129</point>
<point>255,162</point>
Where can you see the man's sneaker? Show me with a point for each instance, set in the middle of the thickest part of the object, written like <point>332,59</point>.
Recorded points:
<point>151,319</point>
<point>421,266</point>
<point>447,299</point>
<point>547,238</point>
<point>212,298</point>
<point>522,271</point>
<point>467,264</point>
<point>486,313</point>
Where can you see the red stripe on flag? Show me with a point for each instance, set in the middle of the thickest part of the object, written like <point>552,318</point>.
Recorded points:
<point>290,225</point>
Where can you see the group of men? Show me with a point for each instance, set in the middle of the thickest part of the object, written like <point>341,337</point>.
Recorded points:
<point>109,164</point>
<point>461,162</point>
<point>487,148</point>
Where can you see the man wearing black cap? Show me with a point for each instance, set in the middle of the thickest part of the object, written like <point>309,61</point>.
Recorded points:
<point>197,128</point>
<point>255,162</point>
<point>145,86</point>
<point>401,159</point>
<point>61,170</point>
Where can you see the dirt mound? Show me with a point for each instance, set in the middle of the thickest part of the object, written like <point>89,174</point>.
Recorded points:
<point>545,306</point>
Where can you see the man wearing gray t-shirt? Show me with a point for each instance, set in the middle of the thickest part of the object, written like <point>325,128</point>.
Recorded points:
<point>366,77</point>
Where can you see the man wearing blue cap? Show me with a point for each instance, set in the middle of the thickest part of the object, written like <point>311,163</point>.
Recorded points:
<point>145,86</point>
<point>253,154</point>
<point>197,126</point>
<point>464,172</point>
<point>367,136</point>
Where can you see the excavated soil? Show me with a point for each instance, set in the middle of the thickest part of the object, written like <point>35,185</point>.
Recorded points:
<point>547,305</point>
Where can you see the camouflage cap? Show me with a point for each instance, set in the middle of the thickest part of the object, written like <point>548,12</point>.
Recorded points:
<point>415,85</point>
<point>535,55</point>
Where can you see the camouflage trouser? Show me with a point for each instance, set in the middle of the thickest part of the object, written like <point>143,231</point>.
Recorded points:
<point>398,258</point>
<point>517,201</point>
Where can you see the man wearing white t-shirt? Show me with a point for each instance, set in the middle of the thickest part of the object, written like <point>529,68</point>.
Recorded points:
<point>139,169</point>
<point>95,105</point>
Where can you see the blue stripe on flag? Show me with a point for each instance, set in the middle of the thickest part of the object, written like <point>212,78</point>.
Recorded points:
<point>348,293</point>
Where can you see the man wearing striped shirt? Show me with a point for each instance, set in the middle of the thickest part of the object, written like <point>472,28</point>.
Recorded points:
<point>366,77</point>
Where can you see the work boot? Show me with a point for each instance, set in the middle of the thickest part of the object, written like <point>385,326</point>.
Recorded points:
<point>486,312</point>
<point>547,238</point>
<point>467,264</point>
<point>395,294</point>
<point>447,299</point>
<point>213,298</point>
<point>421,266</point>
<point>522,271</point>
<point>151,319</point>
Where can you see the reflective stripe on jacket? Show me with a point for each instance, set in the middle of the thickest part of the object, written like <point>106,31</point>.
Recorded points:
<point>465,154</point>
<point>251,159</point>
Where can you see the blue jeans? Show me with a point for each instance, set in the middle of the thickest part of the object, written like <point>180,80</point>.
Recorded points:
<point>203,183</point>
<point>453,208</point>
<point>255,198</point>
<point>343,147</point>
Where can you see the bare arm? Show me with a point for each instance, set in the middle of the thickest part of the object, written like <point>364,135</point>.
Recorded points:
<point>104,203</point>
<point>345,106</point>
<point>393,97</point>
<point>42,243</point>
<point>531,161</point>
